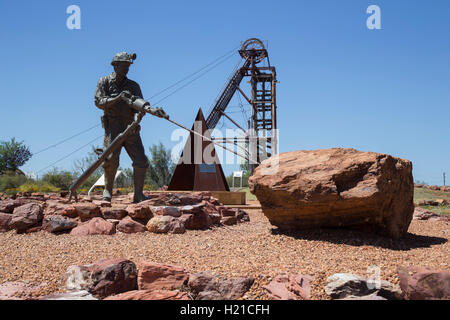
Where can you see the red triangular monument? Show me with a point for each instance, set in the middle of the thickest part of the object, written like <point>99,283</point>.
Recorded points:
<point>199,168</point>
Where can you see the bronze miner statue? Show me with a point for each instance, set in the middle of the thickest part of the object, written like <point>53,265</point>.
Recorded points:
<point>110,96</point>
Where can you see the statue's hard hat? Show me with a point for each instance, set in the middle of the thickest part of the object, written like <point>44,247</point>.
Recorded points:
<point>123,57</point>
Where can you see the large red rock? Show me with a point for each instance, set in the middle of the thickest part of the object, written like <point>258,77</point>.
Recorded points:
<point>158,276</point>
<point>103,278</point>
<point>8,206</point>
<point>167,211</point>
<point>93,227</point>
<point>198,220</point>
<point>128,225</point>
<point>5,219</point>
<point>205,286</point>
<point>87,211</point>
<point>114,213</point>
<point>57,223</point>
<point>141,211</point>
<point>166,224</point>
<point>58,208</point>
<point>150,295</point>
<point>334,188</point>
<point>419,283</point>
<point>17,290</point>
<point>289,287</point>
<point>26,216</point>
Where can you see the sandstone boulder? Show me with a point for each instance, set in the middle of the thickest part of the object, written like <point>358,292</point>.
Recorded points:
<point>228,220</point>
<point>336,188</point>
<point>56,223</point>
<point>94,226</point>
<point>158,276</point>
<point>58,208</point>
<point>114,213</point>
<point>289,287</point>
<point>17,290</point>
<point>347,285</point>
<point>26,216</point>
<point>5,219</point>
<point>87,211</point>
<point>206,286</point>
<point>71,295</point>
<point>166,224</point>
<point>418,283</point>
<point>167,211</point>
<point>141,211</point>
<point>8,206</point>
<point>128,225</point>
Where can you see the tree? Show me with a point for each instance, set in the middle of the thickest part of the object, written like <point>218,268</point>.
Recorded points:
<point>13,154</point>
<point>60,179</point>
<point>161,166</point>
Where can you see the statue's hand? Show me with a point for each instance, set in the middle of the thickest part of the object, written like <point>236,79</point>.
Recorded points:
<point>157,112</point>
<point>160,113</point>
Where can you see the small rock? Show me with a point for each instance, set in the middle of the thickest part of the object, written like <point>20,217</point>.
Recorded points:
<point>57,208</point>
<point>199,221</point>
<point>17,290</point>
<point>26,216</point>
<point>229,220</point>
<point>192,209</point>
<point>243,216</point>
<point>103,278</point>
<point>227,212</point>
<point>93,227</point>
<point>157,276</point>
<point>215,218</point>
<point>165,224</point>
<point>150,295</point>
<point>5,219</point>
<point>114,213</point>
<point>418,283</point>
<point>289,287</point>
<point>87,211</point>
<point>102,203</point>
<point>372,296</point>
<point>207,287</point>
<point>128,225</point>
<point>167,211</point>
<point>58,224</point>
<point>8,206</point>
<point>140,210</point>
<point>343,285</point>
<point>340,285</point>
<point>75,295</point>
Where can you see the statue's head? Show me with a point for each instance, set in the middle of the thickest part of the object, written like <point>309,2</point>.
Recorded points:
<point>121,62</point>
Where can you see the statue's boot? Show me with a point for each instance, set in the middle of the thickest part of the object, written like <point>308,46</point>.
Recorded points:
<point>139,177</point>
<point>110,175</point>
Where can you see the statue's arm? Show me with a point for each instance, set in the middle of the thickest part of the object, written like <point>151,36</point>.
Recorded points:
<point>101,99</point>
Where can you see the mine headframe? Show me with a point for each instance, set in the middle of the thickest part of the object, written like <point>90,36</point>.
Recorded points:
<point>261,137</point>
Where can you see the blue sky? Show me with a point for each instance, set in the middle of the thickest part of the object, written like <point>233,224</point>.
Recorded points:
<point>341,84</point>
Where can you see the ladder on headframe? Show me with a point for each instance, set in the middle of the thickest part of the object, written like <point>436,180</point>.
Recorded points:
<point>262,128</point>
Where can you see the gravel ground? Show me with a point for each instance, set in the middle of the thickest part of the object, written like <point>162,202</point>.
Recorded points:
<point>248,249</point>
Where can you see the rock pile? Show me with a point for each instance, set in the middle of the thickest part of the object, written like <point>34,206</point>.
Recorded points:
<point>337,188</point>
<point>120,279</point>
<point>163,213</point>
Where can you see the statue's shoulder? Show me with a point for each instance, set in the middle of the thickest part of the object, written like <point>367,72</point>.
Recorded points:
<point>133,83</point>
<point>104,79</point>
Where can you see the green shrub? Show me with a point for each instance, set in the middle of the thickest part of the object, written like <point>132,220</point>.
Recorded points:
<point>37,186</point>
<point>59,179</point>
<point>11,181</point>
